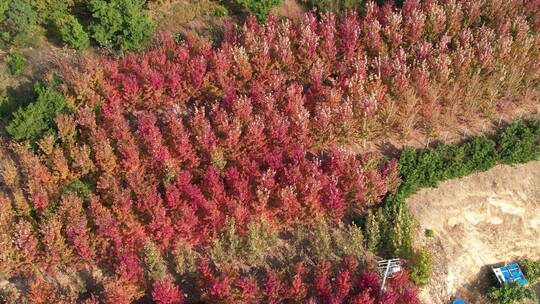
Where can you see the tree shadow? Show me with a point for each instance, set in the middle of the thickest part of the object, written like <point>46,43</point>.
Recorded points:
<point>16,97</point>
<point>388,149</point>
<point>474,289</point>
<point>235,9</point>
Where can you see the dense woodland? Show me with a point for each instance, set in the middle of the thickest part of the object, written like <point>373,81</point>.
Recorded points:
<point>163,167</point>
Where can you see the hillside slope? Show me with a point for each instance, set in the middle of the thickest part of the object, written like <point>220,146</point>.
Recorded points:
<point>478,220</point>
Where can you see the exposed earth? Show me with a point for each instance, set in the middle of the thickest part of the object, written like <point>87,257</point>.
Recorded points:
<point>480,220</point>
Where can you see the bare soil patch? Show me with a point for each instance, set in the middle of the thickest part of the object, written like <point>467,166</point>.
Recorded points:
<point>290,9</point>
<point>479,220</point>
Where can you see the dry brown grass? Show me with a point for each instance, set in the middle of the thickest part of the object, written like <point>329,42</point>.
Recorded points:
<point>173,14</point>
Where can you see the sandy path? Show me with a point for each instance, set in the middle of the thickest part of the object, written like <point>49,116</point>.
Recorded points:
<point>478,220</point>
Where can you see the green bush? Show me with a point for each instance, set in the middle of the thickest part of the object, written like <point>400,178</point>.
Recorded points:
<point>429,233</point>
<point>531,269</point>
<point>184,259</point>
<point>335,6</point>
<point>227,246</point>
<point>519,142</point>
<point>259,8</point>
<point>82,188</point>
<point>221,11</point>
<point>35,119</point>
<point>321,241</point>
<point>418,168</point>
<point>20,24</point>
<point>120,24</point>
<point>8,105</point>
<point>154,264</point>
<point>16,63</point>
<point>397,236</point>
<point>389,229</point>
<point>510,293</point>
<point>251,247</point>
<point>420,267</point>
<point>372,230</point>
<point>480,155</point>
<point>70,31</point>
<point>46,9</point>
<point>3,9</point>
<point>350,241</point>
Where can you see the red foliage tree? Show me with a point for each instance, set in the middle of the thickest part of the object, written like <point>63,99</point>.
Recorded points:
<point>165,292</point>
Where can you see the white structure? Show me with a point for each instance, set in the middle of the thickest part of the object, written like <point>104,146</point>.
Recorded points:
<point>389,269</point>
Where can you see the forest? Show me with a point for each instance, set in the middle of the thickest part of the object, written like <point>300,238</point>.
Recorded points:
<point>227,152</point>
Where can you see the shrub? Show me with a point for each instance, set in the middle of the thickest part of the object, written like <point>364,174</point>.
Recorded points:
<point>479,155</point>
<point>321,242</point>
<point>259,8</point>
<point>419,168</point>
<point>155,266</point>
<point>70,31</point>
<point>325,241</point>
<point>220,11</point>
<point>350,241</point>
<point>3,8</point>
<point>531,269</point>
<point>21,23</point>
<point>7,105</point>
<point>429,233</point>
<point>250,247</point>
<point>420,267</point>
<point>397,234</point>
<point>336,6</point>
<point>373,227</point>
<point>226,247</point>
<point>510,293</point>
<point>47,9</point>
<point>16,63</point>
<point>519,142</point>
<point>388,229</point>
<point>184,259</point>
<point>81,187</point>
<point>120,24</point>
<point>259,238</point>
<point>32,121</point>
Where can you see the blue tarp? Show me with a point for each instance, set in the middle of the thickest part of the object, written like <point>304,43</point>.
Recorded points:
<point>510,273</point>
<point>459,301</point>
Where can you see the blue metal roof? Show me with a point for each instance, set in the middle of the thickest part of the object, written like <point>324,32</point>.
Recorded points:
<point>510,273</point>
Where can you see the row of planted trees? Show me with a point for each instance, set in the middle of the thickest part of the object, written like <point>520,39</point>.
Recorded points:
<point>159,150</point>
<point>426,67</point>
